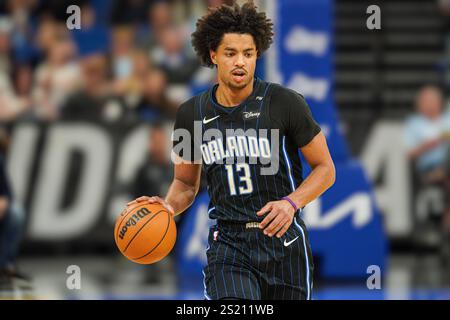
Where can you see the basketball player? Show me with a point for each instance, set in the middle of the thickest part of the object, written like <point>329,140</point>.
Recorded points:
<point>259,247</point>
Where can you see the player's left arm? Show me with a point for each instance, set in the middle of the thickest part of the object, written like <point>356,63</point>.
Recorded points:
<point>299,124</point>
<point>321,178</point>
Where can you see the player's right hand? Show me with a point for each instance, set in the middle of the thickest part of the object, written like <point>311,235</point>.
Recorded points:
<point>154,199</point>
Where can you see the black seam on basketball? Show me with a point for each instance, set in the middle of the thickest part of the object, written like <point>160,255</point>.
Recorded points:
<point>137,232</point>
<point>120,223</point>
<point>162,238</point>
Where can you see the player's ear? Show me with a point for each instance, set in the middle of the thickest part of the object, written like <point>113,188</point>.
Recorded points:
<point>213,56</point>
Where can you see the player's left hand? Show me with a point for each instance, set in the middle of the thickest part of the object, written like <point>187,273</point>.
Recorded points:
<point>279,218</point>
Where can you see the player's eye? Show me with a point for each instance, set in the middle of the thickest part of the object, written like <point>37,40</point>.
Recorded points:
<point>229,54</point>
<point>248,55</point>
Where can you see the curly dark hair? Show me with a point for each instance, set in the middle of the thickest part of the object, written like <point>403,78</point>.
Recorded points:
<point>231,19</point>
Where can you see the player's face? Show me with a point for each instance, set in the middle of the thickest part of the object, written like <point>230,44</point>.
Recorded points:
<point>236,60</point>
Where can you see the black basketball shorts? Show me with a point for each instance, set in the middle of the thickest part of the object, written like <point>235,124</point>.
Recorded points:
<point>243,263</point>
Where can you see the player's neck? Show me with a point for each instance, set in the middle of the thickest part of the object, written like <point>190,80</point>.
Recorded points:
<point>230,97</point>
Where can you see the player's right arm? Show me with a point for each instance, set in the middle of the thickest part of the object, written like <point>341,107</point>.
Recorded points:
<point>184,187</point>
<point>182,191</point>
<point>187,165</point>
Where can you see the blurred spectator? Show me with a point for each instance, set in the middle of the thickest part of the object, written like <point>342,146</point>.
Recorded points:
<point>47,32</point>
<point>95,101</point>
<point>55,78</point>
<point>23,80</point>
<point>11,224</point>
<point>159,17</point>
<point>426,132</point>
<point>173,57</point>
<point>21,14</point>
<point>168,43</point>
<point>12,105</point>
<point>5,45</point>
<point>122,51</point>
<point>129,11</point>
<point>132,87</point>
<point>16,99</point>
<point>155,102</point>
<point>170,48</point>
<point>427,140</point>
<point>93,37</point>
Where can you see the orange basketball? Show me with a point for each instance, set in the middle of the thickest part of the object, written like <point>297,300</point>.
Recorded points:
<point>146,233</point>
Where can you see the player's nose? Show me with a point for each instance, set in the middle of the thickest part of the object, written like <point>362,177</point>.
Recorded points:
<point>240,62</point>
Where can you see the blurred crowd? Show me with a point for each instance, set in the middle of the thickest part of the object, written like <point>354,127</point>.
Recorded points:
<point>129,60</point>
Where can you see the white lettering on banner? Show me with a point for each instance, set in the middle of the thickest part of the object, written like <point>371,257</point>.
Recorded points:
<point>48,220</point>
<point>302,40</point>
<point>385,155</point>
<point>358,206</point>
<point>22,154</point>
<point>315,88</point>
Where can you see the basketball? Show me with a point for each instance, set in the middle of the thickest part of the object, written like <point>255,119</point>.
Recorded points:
<point>145,233</point>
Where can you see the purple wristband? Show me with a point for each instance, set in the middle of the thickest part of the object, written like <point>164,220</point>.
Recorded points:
<point>291,202</point>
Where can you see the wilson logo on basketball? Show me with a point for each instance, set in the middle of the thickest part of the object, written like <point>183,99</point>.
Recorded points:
<point>146,233</point>
<point>141,213</point>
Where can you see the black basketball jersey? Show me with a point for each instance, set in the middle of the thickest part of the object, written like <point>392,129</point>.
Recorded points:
<point>249,152</point>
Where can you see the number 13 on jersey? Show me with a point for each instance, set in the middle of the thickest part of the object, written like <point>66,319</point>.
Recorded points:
<point>245,179</point>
